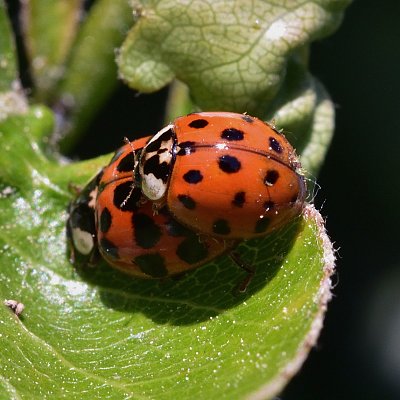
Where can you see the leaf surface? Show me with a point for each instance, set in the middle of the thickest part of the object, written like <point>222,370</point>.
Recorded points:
<point>96,333</point>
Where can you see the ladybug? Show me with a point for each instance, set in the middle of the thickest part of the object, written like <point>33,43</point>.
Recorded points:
<point>171,202</point>
<point>112,219</point>
<point>223,174</point>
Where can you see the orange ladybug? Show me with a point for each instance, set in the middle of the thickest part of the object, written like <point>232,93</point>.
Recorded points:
<point>171,202</point>
<point>223,174</point>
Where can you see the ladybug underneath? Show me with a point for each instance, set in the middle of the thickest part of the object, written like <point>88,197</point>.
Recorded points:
<point>170,203</point>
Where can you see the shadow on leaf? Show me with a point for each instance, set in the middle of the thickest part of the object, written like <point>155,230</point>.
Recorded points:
<point>200,294</point>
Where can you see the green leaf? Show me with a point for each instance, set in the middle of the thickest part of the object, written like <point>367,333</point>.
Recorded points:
<point>305,111</point>
<point>91,74</point>
<point>49,29</point>
<point>232,55</point>
<point>12,98</point>
<point>245,58</point>
<point>98,334</point>
<point>8,62</point>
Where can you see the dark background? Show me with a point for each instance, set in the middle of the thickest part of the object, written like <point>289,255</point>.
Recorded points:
<point>358,353</point>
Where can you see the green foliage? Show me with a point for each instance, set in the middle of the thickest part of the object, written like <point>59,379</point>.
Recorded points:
<point>8,61</point>
<point>95,333</point>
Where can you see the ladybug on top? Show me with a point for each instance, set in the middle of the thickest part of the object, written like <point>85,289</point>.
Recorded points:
<point>171,202</point>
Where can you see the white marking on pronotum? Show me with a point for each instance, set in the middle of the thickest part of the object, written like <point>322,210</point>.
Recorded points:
<point>152,187</point>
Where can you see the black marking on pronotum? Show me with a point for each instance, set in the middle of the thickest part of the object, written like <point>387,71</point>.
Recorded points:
<point>221,227</point>
<point>192,250</point>
<point>82,217</point>
<point>155,145</point>
<point>239,199</point>
<point>193,176</point>
<point>262,225</point>
<point>159,170</point>
<point>105,220</point>
<point>147,232</point>
<point>152,265</point>
<point>271,177</point>
<point>127,164</point>
<point>186,148</point>
<point>232,134</point>
<point>187,201</point>
<point>198,123</point>
<point>247,118</point>
<point>126,199</point>
<point>229,164</point>
<point>109,248</point>
<point>275,145</point>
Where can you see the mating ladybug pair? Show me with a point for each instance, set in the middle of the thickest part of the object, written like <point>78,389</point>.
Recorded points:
<point>170,203</point>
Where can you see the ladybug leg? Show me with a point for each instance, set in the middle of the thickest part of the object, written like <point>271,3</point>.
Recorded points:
<point>237,259</point>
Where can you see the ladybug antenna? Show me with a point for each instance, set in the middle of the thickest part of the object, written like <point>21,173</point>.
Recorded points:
<point>127,141</point>
<point>122,205</point>
<point>135,162</point>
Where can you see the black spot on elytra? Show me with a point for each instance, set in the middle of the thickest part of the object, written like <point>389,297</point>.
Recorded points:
<point>127,163</point>
<point>239,199</point>
<point>105,220</point>
<point>191,250</point>
<point>187,201</point>
<point>152,265</point>
<point>109,248</point>
<point>193,176</point>
<point>175,229</point>
<point>229,164</point>
<point>247,118</point>
<point>232,134</point>
<point>268,205</point>
<point>147,232</point>
<point>262,225</point>
<point>121,200</point>
<point>275,145</point>
<point>159,170</point>
<point>155,145</point>
<point>221,227</point>
<point>271,177</point>
<point>198,123</point>
<point>186,148</point>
